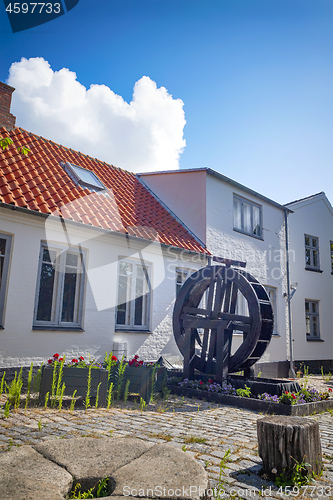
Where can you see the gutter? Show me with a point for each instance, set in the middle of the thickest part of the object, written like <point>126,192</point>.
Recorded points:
<point>291,359</point>
<point>27,211</point>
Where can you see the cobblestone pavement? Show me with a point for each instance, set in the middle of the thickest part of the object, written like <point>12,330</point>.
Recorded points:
<point>204,430</point>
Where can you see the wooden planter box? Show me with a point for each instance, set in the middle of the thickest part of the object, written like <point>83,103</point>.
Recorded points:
<point>254,404</point>
<point>140,378</point>
<point>76,378</point>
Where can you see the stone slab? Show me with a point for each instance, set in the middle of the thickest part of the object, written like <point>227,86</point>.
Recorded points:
<point>90,459</point>
<point>26,475</point>
<point>163,471</point>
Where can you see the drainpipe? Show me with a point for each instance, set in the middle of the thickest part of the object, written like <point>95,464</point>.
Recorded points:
<point>291,366</point>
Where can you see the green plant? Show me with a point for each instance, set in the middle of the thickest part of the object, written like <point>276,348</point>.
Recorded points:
<point>299,475</point>
<point>14,389</point>
<point>97,395</point>
<point>143,404</point>
<point>5,142</point>
<point>100,490</point>
<point>110,393</point>
<point>223,465</point>
<point>10,444</point>
<point>61,395</point>
<point>54,384</point>
<point>39,423</point>
<point>193,439</point>
<point>153,383</point>
<point>184,448</point>
<point>59,386</point>
<point>47,395</point>
<point>244,393</point>
<point>126,390</point>
<point>73,401</point>
<point>6,410</point>
<point>37,380</point>
<point>2,385</point>
<point>29,386</point>
<point>87,400</point>
<point>121,370</point>
<point>327,377</point>
<point>165,391</point>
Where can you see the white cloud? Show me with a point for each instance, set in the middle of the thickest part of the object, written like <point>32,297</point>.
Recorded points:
<point>144,135</point>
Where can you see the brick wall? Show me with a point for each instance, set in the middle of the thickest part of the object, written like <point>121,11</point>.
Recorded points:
<point>6,118</point>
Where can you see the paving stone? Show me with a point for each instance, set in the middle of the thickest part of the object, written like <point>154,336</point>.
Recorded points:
<point>25,474</point>
<point>89,459</point>
<point>166,467</point>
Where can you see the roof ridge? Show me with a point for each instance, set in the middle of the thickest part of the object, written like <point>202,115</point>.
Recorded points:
<point>305,198</point>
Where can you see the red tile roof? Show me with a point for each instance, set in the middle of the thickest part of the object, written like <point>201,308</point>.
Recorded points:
<point>39,183</point>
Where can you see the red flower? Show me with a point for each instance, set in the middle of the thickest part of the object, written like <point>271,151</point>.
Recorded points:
<point>60,359</point>
<point>210,381</point>
<point>56,355</point>
<point>50,361</point>
<point>330,389</point>
<point>293,396</point>
<point>74,360</point>
<point>136,356</point>
<point>114,358</point>
<point>141,362</point>
<point>81,358</point>
<point>200,382</point>
<point>286,392</point>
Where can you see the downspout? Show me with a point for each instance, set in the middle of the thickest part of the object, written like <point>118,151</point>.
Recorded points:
<point>291,359</point>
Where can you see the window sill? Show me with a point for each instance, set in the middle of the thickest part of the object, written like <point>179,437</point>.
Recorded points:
<point>59,328</point>
<point>314,270</point>
<point>131,330</point>
<point>315,340</point>
<point>248,234</point>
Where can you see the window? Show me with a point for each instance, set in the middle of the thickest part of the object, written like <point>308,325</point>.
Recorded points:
<point>271,291</point>
<point>331,248</point>
<point>5,244</point>
<point>59,298</point>
<point>181,276</point>
<point>86,178</point>
<point>311,252</point>
<point>133,296</point>
<point>312,319</point>
<point>247,217</point>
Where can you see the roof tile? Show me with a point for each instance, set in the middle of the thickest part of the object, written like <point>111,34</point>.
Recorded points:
<point>39,182</point>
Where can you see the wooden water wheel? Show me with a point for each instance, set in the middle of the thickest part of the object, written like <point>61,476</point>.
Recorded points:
<point>205,318</point>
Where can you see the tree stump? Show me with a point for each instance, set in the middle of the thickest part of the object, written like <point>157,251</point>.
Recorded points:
<point>282,440</point>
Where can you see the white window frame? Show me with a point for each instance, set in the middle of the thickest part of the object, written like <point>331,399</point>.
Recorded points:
<point>55,322</point>
<point>272,294</point>
<point>311,314</point>
<point>130,296</point>
<point>185,273</point>
<point>311,249</point>
<point>4,278</point>
<point>241,229</point>
<point>74,175</point>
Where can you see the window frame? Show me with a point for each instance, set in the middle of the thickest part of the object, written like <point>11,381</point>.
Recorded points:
<point>310,336</point>
<point>331,253</point>
<point>269,288</point>
<point>253,205</point>
<point>58,292</point>
<point>185,271</point>
<point>311,249</point>
<point>77,179</point>
<point>4,278</point>
<point>147,266</point>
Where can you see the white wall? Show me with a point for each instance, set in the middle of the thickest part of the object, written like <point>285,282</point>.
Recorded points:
<point>265,258</point>
<point>20,344</point>
<point>314,217</point>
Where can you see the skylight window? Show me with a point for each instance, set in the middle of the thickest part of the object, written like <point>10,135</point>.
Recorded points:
<point>86,178</point>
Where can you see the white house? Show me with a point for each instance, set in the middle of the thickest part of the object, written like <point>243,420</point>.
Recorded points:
<point>311,258</point>
<point>237,223</point>
<point>88,255</point>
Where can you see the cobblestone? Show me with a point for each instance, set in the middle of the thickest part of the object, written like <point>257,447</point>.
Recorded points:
<point>223,428</point>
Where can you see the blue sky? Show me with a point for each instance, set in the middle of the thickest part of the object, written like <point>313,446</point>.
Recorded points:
<point>255,77</point>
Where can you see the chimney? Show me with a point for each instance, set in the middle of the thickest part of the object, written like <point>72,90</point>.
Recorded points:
<point>6,118</point>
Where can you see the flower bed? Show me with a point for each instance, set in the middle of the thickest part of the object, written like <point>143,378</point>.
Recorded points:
<point>304,402</point>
